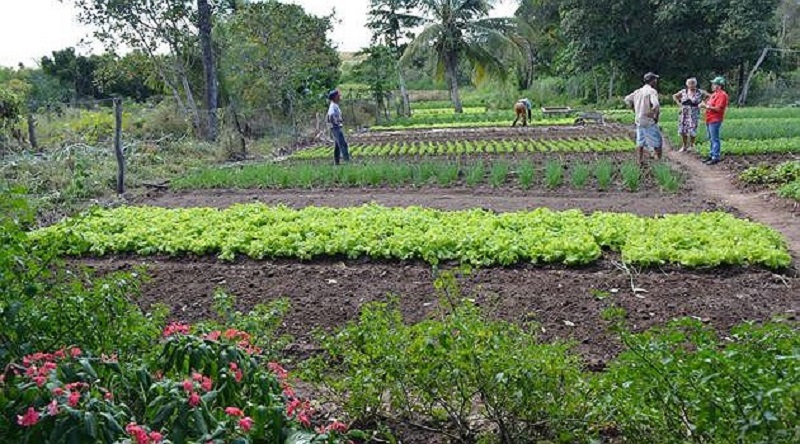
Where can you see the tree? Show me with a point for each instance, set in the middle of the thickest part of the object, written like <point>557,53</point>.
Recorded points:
<point>132,75</point>
<point>377,71</point>
<point>209,68</point>
<point>275,55</point>
<point>151,26</point>
<point>391,22</point>
<point>461,29</point>
<point>74,71</point>
<point>539,37</point>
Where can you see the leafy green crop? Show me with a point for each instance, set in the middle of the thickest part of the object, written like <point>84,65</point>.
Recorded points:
<point>474,236</point>
<point>473,147</point>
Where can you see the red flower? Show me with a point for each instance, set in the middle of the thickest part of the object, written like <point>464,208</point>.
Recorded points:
<point>337,426</point>
<point>39,380</point>
<point>214,335</point>
<point>194,400</point>
<point>305,418</point>
<point>288,392</point>
<point>108,396</point>
<point>293,406</point>
<point>234,411</point>
<point>156,437</point>
<point>75,352</point>
<point>138,433</point>
<point>58,391</point>
<point>176,328</point>
<point>279,371</point>
<point>188,386</point>
<point>197,377</point>
<point>73,399</point>
<point>237,374</point>
<point>30,418</point>
<point>246,423</point>
<point>52,408</point>
<point>207,384</point>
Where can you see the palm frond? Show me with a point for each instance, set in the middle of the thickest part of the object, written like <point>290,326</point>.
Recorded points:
<point>425,41</point>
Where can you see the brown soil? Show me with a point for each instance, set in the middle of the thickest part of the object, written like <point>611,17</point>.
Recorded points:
<point>718,183</point>
<point>645,203</point>
<point>564,303</point>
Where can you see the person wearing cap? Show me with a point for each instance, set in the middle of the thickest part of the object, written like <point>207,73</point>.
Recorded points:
<point>340,149</point>
<point>689,100</point>
<point>715,108</point>
<point>647,109</point>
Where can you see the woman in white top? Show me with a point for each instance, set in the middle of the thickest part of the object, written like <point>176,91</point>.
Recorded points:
<point>689,100</point>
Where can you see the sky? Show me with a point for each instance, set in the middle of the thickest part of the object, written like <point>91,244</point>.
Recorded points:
<point>31,29</point>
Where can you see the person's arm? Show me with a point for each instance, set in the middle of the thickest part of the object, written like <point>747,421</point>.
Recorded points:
<point>713,104</point>
<point>677,97</point>
<point>629,99</point>
<point>655,107</point>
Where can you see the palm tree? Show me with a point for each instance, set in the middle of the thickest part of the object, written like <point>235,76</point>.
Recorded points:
<point>461,29</point>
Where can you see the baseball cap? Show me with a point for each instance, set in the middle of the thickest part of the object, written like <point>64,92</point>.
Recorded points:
<point>650,76</point>
<point>719,80</point>
<point>333,94</point>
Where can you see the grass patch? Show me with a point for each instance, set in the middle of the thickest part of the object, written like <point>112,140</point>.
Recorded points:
<point>604,173</point>
<point>498,173</point>
<point>668,179</point>
<point>553,174</point>
<point>631,175</point>
<point>526,174</point>
<point>579,175</point>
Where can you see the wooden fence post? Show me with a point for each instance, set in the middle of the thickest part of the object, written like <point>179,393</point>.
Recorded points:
<point>118,146</point>
<point>32,131</point>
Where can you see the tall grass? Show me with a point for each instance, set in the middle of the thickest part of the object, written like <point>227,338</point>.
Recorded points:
<point>604,173</point>
<point>631,175</point>
<point>475,174</point>
<point>579,175</point>
<point>526,174</point>
<point>553,174</point>
<point>499,173</point>
<point>668,179</point>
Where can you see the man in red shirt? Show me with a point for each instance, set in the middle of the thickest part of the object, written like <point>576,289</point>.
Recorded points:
<point>715,113</point>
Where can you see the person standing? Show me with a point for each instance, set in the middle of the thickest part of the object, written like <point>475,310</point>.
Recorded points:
<point>647,110</point>
<point>715,108</point>
<point>340,148</point>
<point>689,100</point>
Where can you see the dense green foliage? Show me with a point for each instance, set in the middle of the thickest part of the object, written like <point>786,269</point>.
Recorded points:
<point>469,378</point>
<point>277,56</point>
<point>471,236</point>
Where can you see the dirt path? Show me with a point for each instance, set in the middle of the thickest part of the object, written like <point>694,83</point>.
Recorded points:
<point>717,185</point>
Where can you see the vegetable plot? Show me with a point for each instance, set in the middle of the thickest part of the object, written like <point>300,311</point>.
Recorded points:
<point>475,237</point>
<point>476,147</point>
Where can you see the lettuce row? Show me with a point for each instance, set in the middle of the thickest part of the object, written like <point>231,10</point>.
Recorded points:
<point>478,237</point>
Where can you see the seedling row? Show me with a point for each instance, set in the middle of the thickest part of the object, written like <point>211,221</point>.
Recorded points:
<point>466,147</point>
<point>600,175</point>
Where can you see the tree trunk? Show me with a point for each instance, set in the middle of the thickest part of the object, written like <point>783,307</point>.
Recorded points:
<point>403,92</point>
<point>204,25</point>
<point>118,146</point>
<point>187,89</point>
<point>451,72</point>
<point>32,131</point>
<point>611,80</point>
<point>746,87</point>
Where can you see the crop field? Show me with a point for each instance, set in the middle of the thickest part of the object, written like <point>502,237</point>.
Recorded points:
<point>524,173</point>
<point>553,226</point>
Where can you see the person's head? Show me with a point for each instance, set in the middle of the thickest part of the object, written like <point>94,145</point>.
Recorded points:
<point>718,83</point>
<point>651,79</point>
<point>335,96</point>
<point>691,83</point>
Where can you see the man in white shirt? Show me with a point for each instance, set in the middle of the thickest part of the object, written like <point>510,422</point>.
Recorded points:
<point>340,150</point>
<point>647,109</point>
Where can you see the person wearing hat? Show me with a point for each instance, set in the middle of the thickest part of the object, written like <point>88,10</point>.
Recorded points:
<point>340,149</point>
<point>647,109</point>
<point>715,108</point>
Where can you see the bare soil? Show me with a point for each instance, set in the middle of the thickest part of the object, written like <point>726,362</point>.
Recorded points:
<point>559,303</point>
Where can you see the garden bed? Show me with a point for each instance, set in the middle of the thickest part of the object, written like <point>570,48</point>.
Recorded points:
<point>563,303</point>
